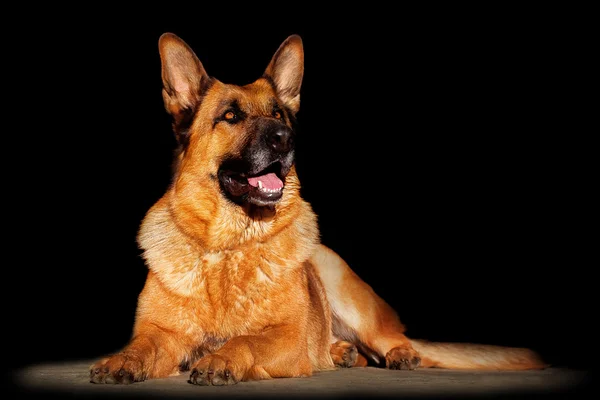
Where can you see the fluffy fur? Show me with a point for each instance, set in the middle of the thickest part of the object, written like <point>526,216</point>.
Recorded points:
<point>237,289</point>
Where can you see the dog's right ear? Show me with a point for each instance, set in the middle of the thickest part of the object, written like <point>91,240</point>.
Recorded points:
<point>183,76</point>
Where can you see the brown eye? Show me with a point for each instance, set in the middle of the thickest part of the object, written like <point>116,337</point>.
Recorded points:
<point>229,115</point>
<point>277,114</point>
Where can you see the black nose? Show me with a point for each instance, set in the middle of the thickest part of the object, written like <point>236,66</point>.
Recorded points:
<point>280,139</point>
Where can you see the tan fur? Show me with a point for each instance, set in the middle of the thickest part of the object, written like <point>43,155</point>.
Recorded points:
<point>367,320</point>
<point>237,291</point>
<point>476,356</point>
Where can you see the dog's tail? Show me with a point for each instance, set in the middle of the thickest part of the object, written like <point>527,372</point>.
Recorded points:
<point>475,356</point>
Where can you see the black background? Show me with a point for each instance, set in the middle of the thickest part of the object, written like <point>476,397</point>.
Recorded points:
<point>440,149</point>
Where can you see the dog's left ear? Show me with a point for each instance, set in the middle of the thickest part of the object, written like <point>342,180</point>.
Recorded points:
<point>286,70</point>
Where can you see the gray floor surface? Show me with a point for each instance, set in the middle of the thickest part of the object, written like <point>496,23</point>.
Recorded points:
<point>72,379</point>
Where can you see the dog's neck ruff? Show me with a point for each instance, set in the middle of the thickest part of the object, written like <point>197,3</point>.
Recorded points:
<point>180,259</point>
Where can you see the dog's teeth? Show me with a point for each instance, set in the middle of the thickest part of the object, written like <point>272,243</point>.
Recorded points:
<point>267,190</point>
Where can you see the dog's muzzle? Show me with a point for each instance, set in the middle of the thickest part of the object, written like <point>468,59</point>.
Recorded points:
<point>258,176</point>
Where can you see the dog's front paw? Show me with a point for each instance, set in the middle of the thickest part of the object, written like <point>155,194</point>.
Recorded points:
<point>215,370</point>
<point>120,368</point>
<point>402,358</point>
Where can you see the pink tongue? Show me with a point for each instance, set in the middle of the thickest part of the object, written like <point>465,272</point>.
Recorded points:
<point>269,181</point>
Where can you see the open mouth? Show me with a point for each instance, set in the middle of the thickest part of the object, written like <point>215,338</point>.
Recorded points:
<point>263,188</point>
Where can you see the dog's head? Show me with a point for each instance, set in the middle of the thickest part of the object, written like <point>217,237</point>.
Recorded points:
<point>240,138</point>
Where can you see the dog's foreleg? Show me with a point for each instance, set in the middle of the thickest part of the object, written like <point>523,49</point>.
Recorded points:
<point>277,352</point>
<point>151,353</point>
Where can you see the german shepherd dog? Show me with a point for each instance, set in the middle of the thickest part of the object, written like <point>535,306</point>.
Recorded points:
<point>239,286</point>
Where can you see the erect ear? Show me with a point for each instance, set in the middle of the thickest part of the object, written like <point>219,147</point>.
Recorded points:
<point>286,70</point>
<point>183,76</point>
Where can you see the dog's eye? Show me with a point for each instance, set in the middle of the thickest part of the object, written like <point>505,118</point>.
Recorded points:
<point>231,115</point>
<point>277,114</point>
